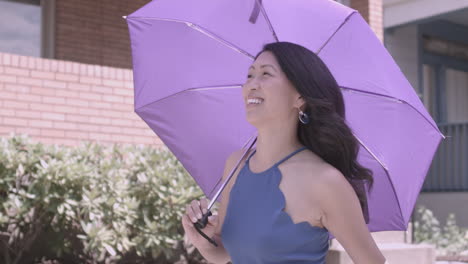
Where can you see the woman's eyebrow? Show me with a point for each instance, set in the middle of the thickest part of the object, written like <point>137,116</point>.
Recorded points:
<point>264,65</point>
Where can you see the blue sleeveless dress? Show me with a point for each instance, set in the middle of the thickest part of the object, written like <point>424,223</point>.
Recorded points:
<point>256,229</point>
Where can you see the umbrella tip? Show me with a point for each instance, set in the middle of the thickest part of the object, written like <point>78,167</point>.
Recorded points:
<point>124,17</point>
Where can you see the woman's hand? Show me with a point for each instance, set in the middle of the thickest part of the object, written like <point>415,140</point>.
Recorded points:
<point>193,213</point>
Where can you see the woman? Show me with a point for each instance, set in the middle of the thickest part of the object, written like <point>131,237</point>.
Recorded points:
<point>301,182</point>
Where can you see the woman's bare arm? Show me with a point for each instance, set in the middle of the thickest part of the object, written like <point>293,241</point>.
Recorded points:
<point>210,252</point>
<point>343,217</point>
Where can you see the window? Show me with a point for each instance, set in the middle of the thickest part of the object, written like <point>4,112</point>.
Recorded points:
<point>344,2</point>
<point>26,27</point>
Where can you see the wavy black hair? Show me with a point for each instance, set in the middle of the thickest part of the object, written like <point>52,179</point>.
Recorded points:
<point>327,133</point>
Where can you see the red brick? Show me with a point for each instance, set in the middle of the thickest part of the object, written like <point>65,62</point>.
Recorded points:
<point>113,83</point>
<point>100,105</point>
<point>111,113</point>
<point>53,100</point>
<point>66,93</point>
<point>111,129</point>
<point>16,88</point>
<point>16,71</point>
<point>28,114</point>
<point>53,116</point>
<point>31,98</point>
<point>90,96</point>
<point>129,100</point>
<point>29,81</point>
<point>128,85</point>
<point>31,62</point>
<point>55,84</point>
<point>15,105</point>
<point>14,60</point>
<point>99,136</point>
<point>54,65</point>
<point>133,131</point>
<point>89,128</point>
<point>8,112</point>
<point>43,91</point>
<point>23,61</point>
<point>90,80</point>
<point>88,112</point>
<point>113,98</point>
<point>15,121</point>
<point>99,120</point>
<point>77,102</point>
<point>28,131</point>
<point>6,59</point>
<point>7,95</point>
<point>125,92</point>
<point>102,89</point>
<point>39,107</point>
<point>122,122</point>
<point>7,78</point>
<point>77,118</point>
<point>52,133</point>
<point>46,65</point>
<point>40,123</point>
<point>66,77</point>
<point>65,109</point>
<point>77,134</point>
<point>65,125</point>
<point>79,87</point>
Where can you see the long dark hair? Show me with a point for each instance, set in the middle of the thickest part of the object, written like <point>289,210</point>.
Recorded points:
<point>327,133</point>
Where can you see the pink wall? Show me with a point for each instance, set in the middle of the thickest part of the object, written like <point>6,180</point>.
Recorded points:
<point>66,102</point>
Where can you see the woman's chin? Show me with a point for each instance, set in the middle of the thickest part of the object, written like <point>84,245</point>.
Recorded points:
<point>254,119</point>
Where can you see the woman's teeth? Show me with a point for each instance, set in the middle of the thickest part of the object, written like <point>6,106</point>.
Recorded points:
<point>254,101</point>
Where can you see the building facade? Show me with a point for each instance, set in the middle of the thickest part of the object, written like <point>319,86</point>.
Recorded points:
<point>429,41</point>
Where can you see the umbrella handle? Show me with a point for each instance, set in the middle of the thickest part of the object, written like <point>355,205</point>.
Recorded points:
<point>200,224</point>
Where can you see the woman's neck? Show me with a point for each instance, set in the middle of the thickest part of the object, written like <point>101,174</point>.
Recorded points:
<point>274,144</point>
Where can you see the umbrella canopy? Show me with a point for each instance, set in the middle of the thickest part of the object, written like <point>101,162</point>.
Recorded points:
<point>190,59</point>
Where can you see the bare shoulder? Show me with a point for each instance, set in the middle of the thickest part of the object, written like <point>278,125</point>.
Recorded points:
<point>314,168</point>
<point>325,180</point>
<point>231,161</point>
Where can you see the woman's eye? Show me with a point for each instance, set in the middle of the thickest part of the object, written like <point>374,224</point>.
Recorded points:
<point>248,76</point>
<point>266,73</point>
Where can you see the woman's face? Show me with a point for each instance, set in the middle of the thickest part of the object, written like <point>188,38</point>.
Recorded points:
<point>268,95</point>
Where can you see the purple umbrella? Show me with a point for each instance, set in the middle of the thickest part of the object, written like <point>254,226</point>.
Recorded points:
<point>190,59</point>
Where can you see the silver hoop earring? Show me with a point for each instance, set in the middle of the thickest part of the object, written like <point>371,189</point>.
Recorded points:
<point>303,117</point>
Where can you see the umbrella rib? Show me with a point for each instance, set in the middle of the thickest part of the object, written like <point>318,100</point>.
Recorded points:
<point>214,88</point>
<point>194,89</point>
<point>385,169</point>
<point>395,100</point>
<point>372,153</point>
<point>336,31</point>
<point>270,26</point>
<point>204,32</point>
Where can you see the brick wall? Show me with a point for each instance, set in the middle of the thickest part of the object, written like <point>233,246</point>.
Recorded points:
<point>372,11</point>
<point>94,32</point>
<point>63,102</point>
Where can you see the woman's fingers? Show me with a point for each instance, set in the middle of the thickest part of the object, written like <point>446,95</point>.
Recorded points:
<point>204,205</point>
<point>191,214</point>
<point>196,209</point>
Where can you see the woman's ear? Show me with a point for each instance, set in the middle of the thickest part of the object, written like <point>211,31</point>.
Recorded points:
<point>300,103</point>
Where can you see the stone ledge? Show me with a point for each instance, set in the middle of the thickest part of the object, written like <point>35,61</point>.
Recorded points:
<point>395,253</point>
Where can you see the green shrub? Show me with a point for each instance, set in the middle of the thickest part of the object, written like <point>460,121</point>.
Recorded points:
<point>449,240</point>
<point>92,203</point>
